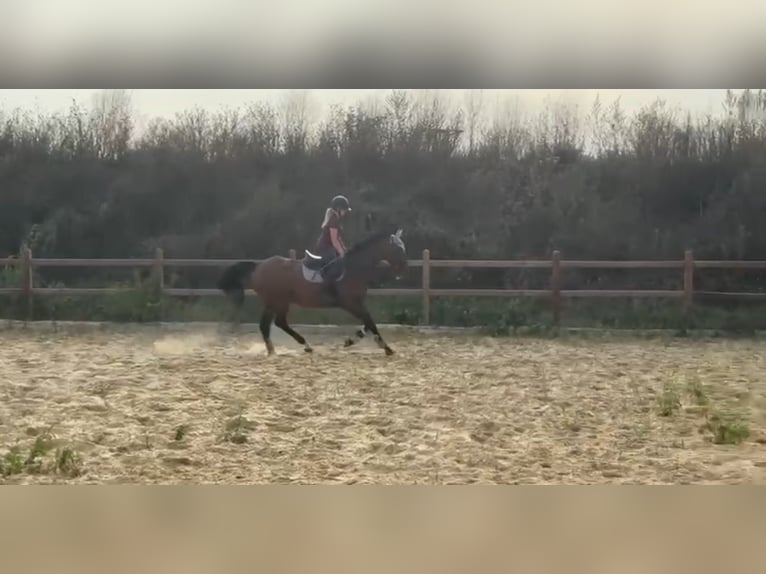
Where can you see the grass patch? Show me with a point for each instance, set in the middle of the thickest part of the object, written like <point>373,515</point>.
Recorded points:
<point>12,461</point>
<point>698,393</point>
<point>727,428</point>
<point>68,463</point>
<point>180,433</point>
<point>37,459</point>
<point>669,401</point>
<point>237,429</point>
<point>142,302</point>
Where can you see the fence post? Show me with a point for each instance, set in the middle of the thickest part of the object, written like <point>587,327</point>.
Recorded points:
<point>291,254</point>
<point>688,278</point>
<point>426,287</point>
<point>26,279</point>
<point>556,286</point>
<point>159,270</point>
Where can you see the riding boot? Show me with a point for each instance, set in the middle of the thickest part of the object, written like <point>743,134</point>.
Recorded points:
<point>329,285</point>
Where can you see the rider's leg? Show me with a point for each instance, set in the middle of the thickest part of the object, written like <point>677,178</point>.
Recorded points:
<point>330,276</point>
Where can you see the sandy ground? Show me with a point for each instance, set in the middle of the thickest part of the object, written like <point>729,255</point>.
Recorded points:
<point>445,409</point>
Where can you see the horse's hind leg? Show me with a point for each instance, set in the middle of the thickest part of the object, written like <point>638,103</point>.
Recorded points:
<point>266,318</point>
<point>281,322</point>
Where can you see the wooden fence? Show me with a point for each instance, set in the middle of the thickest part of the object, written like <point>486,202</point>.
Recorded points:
<point>685,294</point>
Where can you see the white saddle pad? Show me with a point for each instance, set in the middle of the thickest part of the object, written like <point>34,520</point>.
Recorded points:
<point>311,276</point>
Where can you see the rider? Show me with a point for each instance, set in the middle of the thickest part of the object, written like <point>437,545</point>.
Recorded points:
<point>330,245</point>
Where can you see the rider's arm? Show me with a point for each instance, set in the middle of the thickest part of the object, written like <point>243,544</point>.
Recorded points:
<point>336,242</point>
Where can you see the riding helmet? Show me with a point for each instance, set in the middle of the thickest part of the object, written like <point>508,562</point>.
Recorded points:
<point>340,202</point>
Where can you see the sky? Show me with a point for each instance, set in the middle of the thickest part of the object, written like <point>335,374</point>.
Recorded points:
<point>671,40</point>
<point>680,34</point>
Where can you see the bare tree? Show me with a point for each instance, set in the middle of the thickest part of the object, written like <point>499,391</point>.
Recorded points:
<point>261,130</point>
<point>111,123</point>
<point>474,108</point>
<point>296,120</point>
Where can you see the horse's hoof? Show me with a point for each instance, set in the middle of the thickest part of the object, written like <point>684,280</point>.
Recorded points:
<point>348,342</point>
<point>389,351</point>
<point>308,349</point>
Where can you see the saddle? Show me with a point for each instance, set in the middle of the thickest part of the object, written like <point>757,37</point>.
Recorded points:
<point>328,267</point>
<point>314,262</point>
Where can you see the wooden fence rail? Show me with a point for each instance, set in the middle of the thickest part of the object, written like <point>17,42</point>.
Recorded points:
<point>555,293</point>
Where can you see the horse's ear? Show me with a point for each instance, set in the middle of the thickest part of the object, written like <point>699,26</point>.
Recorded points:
<point>399,233</point>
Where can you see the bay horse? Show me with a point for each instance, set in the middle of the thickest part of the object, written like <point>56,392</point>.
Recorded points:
<point>281,282</point>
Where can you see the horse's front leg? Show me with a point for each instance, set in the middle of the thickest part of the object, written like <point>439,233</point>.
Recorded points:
<point>358,336</point>
<point>359,310</point>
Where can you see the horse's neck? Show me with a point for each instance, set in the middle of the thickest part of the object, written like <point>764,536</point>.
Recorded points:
<point>360,266</point>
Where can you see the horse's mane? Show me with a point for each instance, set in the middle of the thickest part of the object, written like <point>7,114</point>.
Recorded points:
<point>367,242</point>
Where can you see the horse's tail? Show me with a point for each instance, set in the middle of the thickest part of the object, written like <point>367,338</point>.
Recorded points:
<point>233,281</point>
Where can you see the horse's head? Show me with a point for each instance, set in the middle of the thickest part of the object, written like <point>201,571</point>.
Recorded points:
<point>381,250</point>
<point>395,254</point>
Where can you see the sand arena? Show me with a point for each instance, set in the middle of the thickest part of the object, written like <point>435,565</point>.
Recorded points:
<point>149,405</point>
